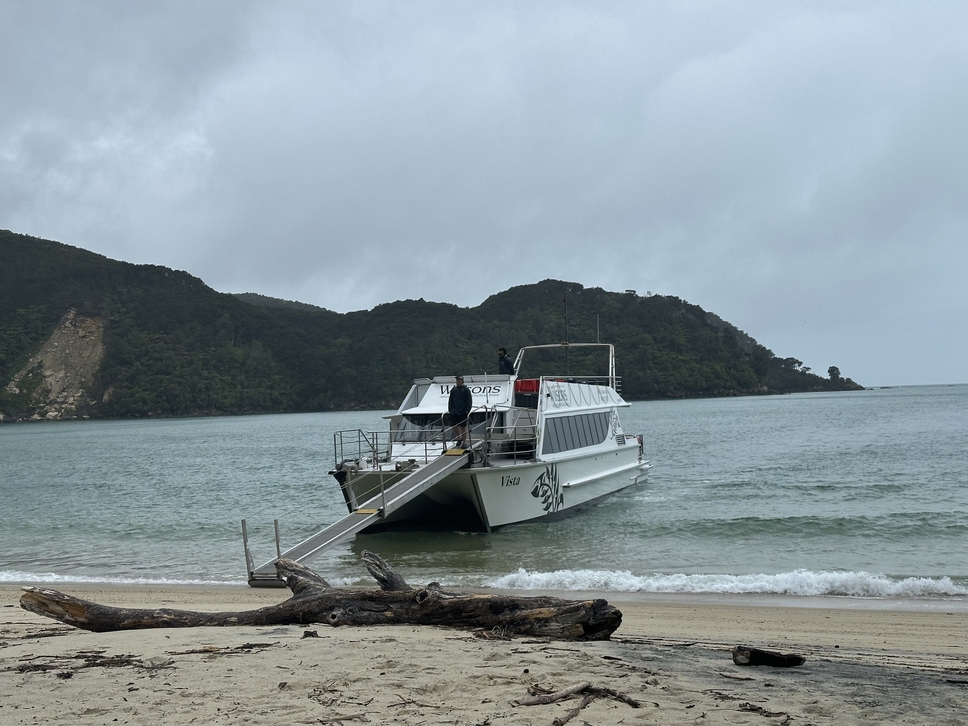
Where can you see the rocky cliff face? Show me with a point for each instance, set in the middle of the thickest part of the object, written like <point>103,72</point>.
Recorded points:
<point>59,376</point>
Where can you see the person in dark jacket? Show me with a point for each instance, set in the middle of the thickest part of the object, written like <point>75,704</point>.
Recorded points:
<point>459,408</point>
<point>504,364</point>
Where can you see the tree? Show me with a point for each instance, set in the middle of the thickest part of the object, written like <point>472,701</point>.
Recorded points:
<point>175,347</point>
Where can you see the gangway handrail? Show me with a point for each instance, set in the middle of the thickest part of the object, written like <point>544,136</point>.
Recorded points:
<point>357,520</point>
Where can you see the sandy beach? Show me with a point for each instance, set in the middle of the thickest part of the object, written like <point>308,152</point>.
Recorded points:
<point>866,663</point>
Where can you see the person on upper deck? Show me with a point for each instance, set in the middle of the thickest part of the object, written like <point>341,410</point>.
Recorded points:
<point>458,409</point>
<point>504,364</point>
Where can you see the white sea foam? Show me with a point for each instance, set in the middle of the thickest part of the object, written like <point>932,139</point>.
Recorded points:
<point>798,582</point>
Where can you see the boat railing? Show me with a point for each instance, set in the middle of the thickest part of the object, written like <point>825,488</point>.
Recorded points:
<point>611,379</point>
<point>591,380</point>
<point>384,448</point>
<point>514,441</point>
<point>361,446</point>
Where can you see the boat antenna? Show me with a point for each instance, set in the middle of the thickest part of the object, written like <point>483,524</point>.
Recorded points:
<point>565,298</point>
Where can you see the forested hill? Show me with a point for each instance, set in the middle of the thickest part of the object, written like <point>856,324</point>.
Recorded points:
<point>173,346</point>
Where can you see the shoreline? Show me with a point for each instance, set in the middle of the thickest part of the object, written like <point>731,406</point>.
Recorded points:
<point>953,603</point>
<point>671,654</point>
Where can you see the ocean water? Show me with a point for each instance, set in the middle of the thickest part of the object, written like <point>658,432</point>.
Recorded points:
<point>861,494</point>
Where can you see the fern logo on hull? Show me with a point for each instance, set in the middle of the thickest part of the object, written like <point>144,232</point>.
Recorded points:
<point>548,490</point>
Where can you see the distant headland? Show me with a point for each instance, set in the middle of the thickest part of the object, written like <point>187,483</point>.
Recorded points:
<point>82,336</point>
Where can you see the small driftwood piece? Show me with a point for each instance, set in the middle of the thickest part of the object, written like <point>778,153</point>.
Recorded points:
<point>588,692</point>
<point>315,601</point>
<point>545,698</point>
<point>743,655</point>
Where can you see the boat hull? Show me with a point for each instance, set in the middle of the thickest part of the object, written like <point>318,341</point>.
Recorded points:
<point>545,490</point>
<point>496,496</point>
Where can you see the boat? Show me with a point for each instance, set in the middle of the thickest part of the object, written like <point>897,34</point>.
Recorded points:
<point>540,447</point>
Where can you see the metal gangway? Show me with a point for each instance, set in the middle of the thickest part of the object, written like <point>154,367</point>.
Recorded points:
<point>369,512</point>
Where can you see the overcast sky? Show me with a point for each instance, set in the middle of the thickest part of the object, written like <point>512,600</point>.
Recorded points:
<point>798,168</point>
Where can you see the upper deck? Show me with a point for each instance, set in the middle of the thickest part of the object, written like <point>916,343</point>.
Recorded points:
<point>540,390</point>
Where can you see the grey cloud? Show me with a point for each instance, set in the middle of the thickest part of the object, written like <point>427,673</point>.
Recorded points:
<point>798,168</point>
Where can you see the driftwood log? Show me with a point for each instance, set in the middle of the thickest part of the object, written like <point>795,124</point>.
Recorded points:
<point>395,603</point>
<point>744,655</point>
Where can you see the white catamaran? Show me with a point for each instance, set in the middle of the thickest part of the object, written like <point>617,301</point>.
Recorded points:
<point>539,447</point>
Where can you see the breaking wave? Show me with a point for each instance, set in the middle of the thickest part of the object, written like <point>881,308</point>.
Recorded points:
<point>798,582</point>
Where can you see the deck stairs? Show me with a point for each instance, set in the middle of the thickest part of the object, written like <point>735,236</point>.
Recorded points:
<point>369,512</point>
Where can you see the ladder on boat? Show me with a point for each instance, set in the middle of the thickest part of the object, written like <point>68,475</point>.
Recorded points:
<point>370,512</point>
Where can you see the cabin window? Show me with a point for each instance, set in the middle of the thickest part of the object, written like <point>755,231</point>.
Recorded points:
<point>565,433</point>
<point>415,427</point>
<point>419,427</point>
<point>478,422</point>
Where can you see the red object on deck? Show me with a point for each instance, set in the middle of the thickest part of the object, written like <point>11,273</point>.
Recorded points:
<point>527,385</point>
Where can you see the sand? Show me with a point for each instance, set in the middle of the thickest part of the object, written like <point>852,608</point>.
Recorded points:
<point>867,663</point>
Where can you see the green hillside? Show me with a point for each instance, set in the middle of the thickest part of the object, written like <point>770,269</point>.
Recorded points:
<point>173,346</point>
